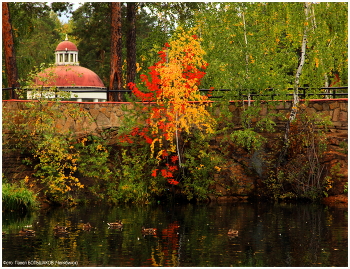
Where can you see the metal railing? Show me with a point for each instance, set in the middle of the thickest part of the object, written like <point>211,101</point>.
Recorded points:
<point>304,92</point>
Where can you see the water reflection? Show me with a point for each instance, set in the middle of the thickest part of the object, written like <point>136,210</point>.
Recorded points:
<point>184,235</point>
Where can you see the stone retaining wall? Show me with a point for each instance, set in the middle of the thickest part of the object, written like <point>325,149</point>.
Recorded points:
<point>110,115</point>
<point>106,115</point>
<point>334,109</point>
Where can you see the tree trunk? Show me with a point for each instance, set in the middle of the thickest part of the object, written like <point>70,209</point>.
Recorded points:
<point>301,64</point>
<point>116,79</point>
<point>294,109</point>
<point>131,43</point>
<point>9,50</point>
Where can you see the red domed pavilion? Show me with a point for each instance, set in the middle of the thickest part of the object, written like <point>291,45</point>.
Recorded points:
<point>66,74</point>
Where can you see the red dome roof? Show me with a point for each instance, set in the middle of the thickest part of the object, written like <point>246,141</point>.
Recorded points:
<point>68,76</point>
<point>66,45</point>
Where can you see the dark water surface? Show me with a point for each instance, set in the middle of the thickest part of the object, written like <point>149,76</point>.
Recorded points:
<point>187,235</point>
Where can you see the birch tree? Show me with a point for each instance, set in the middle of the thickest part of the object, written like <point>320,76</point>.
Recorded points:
<point>271,35</point>
<point>294,109</point>
<point>300,68</point>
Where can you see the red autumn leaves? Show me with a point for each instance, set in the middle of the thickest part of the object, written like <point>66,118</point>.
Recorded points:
<point>171,83</point>
<point>168,171</point>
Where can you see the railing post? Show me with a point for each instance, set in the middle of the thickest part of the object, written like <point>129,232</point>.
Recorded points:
<point>107,94</point>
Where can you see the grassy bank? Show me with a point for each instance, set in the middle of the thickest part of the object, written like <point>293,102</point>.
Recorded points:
<point>16,197</point>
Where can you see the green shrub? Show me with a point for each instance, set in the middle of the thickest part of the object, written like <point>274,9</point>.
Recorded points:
<point>33,132</point>
<point>301,174</point>
<point>134,180</point>
<point>201,163</point>
<point>17,197</point>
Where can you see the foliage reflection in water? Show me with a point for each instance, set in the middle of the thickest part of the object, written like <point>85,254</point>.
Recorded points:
<point>186,235</point>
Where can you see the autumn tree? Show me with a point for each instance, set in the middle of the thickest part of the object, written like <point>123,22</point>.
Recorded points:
<point>173,84</point>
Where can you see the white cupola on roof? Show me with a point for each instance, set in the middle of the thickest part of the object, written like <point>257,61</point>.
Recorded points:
<point>66,53</point>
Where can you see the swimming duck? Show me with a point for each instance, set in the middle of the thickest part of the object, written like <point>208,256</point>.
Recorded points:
<point>60,229</point>
<point>87,226</point>
<point>116,225</point>
<point>232,232</point>
<point>27,232</point>
<point>148,231</point>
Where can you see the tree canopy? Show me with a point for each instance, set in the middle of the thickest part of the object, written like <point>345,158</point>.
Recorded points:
<point>258,45</point>
<point>247,45</point>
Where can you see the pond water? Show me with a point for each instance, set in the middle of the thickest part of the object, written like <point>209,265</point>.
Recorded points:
<point>187,235</point>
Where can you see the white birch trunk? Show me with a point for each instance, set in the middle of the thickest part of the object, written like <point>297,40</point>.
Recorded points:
<point>301,64</point>
<point>294,109</point>
<point>246,55</point>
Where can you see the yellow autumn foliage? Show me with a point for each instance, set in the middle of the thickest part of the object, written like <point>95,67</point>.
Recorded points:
<point>182,107</point>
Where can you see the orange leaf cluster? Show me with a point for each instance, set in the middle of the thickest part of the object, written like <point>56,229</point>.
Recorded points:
<point>172,84</point>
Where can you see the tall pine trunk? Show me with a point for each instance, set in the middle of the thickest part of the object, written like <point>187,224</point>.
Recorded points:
<point>9,50</point>
<point>131,42</point>
<point>116,78</point>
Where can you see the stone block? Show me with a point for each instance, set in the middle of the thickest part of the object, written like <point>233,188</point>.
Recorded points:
<point>333,105</point>
<point>263,111</point>
<point>318,107</point>
<point>89,126</point>
<point>284,105</point>
<point>106,112</point>
<point>343,106</point>
<point>343,132</point>
<point>324,115</point>
<point>102,120</point>
<point>130,106</point>
<point>337,124</point>
<point>94,113</point>
<point>90,106</point>
<point>336,113</point>
<point>343,116</point>
<point>310,111</point>
<point>281,105</point>
<point>325,106</point>
<point>115,120</point>
<point>69,125</point>
<point>327,113</point>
